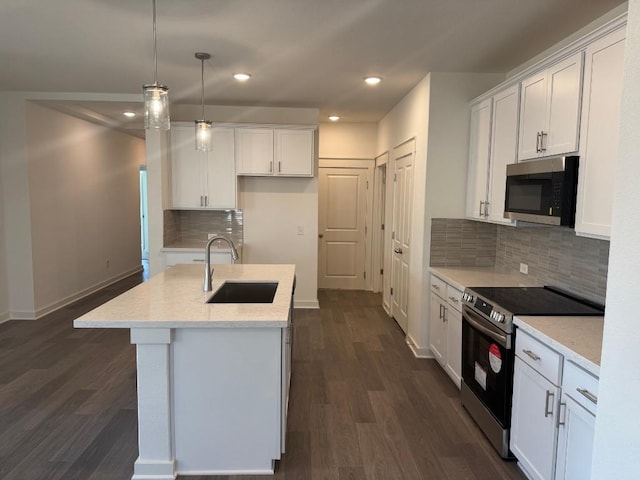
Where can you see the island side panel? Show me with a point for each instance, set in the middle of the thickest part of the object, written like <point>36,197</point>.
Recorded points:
<point>155,437</point>
<point>226,386</point>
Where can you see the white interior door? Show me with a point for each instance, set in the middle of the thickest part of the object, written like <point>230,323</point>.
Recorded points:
<point>342,203</point>
<point>400,243</point>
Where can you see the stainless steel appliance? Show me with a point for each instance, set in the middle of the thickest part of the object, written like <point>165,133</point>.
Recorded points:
<point>542,191</point>
<point>488,339</point>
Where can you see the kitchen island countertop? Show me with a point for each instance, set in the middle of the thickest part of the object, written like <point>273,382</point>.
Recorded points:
<point>175,299</point>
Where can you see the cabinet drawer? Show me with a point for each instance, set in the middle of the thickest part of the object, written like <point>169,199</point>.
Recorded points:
<point>580,385</point>
<point>454,298</point>
<point>538,356</point>
<point>438,286</point>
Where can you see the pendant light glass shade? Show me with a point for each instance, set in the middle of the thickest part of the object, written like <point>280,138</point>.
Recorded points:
<point>204,134</point>
<point>154,95</point>
<point>204,129</point>
<point>156,107</point>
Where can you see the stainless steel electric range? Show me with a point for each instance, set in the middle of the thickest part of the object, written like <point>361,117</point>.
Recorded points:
<point>488,337</point>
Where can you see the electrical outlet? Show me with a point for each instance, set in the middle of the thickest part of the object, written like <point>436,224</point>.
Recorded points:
<point>524,268</point>
<point>300,230</point>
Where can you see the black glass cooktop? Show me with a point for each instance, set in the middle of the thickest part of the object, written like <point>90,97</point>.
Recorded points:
<point>536,301</point>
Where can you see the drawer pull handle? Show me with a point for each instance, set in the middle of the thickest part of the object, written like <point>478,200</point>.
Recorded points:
<point>197,259</point>
<point>531,354</point>
<point>435,287</point>
<point>548,412</point>
<point>588,395</point>
<point>454,299</point>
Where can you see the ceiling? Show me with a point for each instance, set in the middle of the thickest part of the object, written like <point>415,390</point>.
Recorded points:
<point>301,53</point>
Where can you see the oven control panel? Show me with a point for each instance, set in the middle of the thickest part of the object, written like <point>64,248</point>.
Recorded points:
<point>489,311</point>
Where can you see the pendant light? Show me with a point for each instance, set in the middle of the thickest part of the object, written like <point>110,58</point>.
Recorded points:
<point>204,129</point>
<point>156,96</point>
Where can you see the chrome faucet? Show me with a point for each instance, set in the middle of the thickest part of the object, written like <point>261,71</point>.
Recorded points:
<point>208,270</point>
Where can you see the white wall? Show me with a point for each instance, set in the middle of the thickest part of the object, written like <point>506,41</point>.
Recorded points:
<point>436,114</point>
<point>273,209</point>
<point>348,140</point>
<point>616,452</point>
<point>84,205</point>
<point>4,287</point>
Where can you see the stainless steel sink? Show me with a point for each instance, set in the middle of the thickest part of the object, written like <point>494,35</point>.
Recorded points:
<point>245,292</point>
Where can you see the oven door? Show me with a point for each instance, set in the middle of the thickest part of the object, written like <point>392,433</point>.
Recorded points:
<point>487,364</point>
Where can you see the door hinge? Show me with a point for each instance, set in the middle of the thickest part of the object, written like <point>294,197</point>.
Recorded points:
<point>381,271</point>
<point>367,184</point>
<point>395,177</point>
<point>391,290</point>
<point>382,227</point>
<point>365,275</point>
<point>365,229</point>
<point>393,235</point>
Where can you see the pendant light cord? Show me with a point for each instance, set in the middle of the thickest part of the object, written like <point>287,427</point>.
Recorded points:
<point>202,83</point>
<point>155,46</point>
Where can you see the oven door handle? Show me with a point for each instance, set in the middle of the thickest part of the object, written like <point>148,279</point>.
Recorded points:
<point>501,339</point>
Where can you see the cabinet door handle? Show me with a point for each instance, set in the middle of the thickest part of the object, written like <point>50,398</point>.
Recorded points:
<point>480,211</point>
<point>444,313</point>
<point>397,250</point>
<point>538,142</point>
<point>548,412</point>
<point>270,167</point>
<point>279,169</point>
<point>435,287</point>
<point>562,415</point>
<point>543,143</point>
<point>440,312</point>
<point>531,354</point>
<point>454,299</point>
<point>588,395</point>
<point>206,200</point>
<point>486,209</point>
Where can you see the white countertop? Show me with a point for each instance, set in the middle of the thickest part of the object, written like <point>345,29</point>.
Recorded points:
<point>464,277</point>
<point>578,339</point>
<point>175,299</point>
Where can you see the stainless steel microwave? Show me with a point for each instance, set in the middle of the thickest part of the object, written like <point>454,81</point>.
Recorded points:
<point>542,191</point>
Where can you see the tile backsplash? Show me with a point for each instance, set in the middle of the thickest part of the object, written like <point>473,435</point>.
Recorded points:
<point>192,226</point>
<point>554,255</point>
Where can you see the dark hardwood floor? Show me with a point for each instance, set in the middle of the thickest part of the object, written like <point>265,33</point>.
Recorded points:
<point>362,406</point>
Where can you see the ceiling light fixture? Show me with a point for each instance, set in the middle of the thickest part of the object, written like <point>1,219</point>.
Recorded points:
<point>334,118</point>
<point>372,80</point>
<point>129,114</point>
<point>156,96</point>
<point>241,77</point>
<point>204,141</point>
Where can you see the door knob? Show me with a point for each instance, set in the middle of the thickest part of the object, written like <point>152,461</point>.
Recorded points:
<point>398,250</point>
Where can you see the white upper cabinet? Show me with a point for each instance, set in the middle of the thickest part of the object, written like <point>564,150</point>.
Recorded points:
<point>599,137</point>
<point>493,145</point>
<point>204,180</point>
<point>550,110</point>
<point>504,148</point>
<point>275,152</point>
<point>479,144</point>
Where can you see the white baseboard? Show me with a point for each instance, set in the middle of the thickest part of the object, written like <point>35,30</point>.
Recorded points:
<point>41,312</point>
<point>418,352</point>
<point>4,317</point>
<point>306,304</point>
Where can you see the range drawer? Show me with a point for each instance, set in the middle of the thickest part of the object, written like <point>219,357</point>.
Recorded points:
<point>538,356</point>
<point>580,385</point>
<point>438,286</point>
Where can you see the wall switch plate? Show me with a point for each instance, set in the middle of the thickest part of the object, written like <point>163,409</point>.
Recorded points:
<point>524,268</point>
<point>300,230</point>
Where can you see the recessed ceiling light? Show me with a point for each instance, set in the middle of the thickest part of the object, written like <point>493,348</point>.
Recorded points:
<point>129,114</point>
<point>241,77</point>
<point>334,118</point>
<point>372,80</point>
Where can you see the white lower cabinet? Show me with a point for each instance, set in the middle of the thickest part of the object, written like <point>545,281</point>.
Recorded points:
<point>445,327</point>
<point>576,423</point>
<point>553,414</point>
<point>533,421</point>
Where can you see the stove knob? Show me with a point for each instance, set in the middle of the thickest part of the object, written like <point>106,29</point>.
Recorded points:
<point>500,317</point>
<point>492,315</point>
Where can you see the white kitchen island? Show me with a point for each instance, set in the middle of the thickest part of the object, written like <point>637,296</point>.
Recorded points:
<point>213,379</point>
